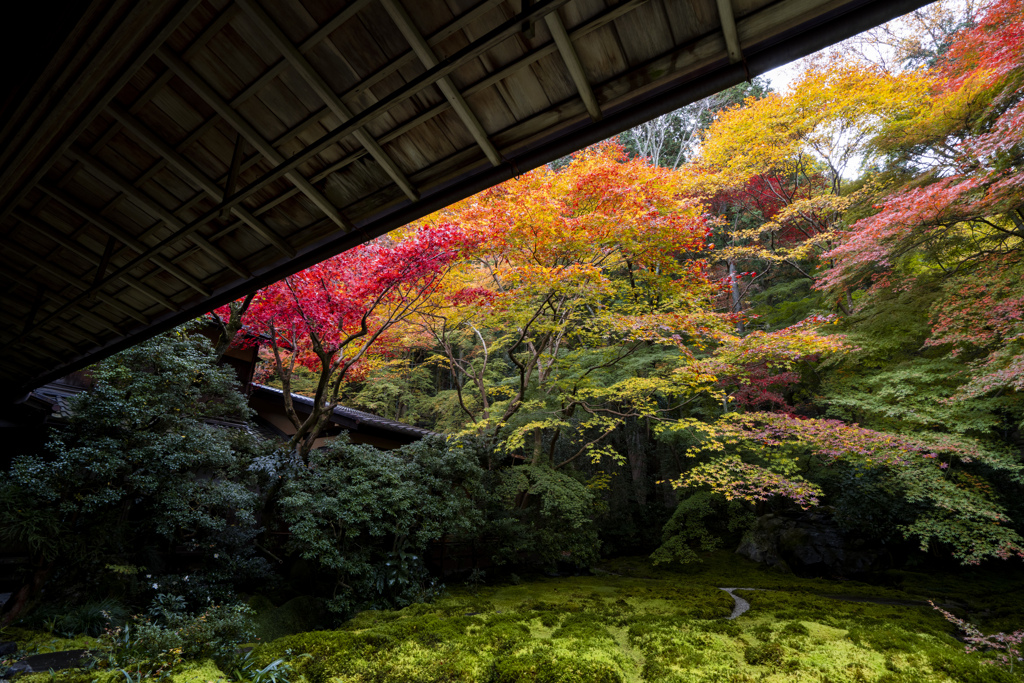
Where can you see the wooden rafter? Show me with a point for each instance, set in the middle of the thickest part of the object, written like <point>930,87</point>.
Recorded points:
<point>108,94</point>
<point>578,32</point>
<point>429,59</point>
<point>126,238</point>
<point>471,51</point>
<point>197,178</point>
<point>217,103</point>
<point>320,87</point>
<point>148,204</point>
<point>27,256</point>
<point>732,40</point>
<point>81,251</point>
<point>573,64</point>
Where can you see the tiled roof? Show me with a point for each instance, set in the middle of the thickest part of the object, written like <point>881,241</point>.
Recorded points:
<point>57,394</point>
<point>357,416</point>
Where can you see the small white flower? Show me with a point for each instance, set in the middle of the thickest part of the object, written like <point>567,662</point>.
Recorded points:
<point>186,577</point>
<point>215,556</point>
<point>155,586</point>
<point>149,576</point>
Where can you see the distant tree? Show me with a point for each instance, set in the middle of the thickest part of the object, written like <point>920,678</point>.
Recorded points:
<point>952,208</point>
<point>671,140</point>
<point>777,170</point>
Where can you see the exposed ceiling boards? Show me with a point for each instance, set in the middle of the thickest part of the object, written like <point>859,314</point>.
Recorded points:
<point>174,154</point>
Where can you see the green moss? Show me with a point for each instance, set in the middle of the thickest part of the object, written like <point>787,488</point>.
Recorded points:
<point>36,642</point>
<point>204,671</point>
<point>645,625</point>
<point>300,614</point>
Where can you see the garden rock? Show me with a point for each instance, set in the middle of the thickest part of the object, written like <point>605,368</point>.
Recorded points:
<point>66,659</point>
<point>809,543</point>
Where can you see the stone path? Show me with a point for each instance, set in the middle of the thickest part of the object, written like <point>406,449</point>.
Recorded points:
<point>741,605</point>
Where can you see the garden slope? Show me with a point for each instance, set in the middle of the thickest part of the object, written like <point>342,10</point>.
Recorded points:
<point>633,623</point>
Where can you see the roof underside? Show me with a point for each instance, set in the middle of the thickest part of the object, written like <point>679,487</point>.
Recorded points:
<point>175,154</point>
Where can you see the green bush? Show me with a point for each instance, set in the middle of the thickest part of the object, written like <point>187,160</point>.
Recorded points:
<point>764,654</point>
<point>365,517</point>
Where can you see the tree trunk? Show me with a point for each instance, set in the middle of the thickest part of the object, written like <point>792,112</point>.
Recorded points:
<point>637,464</point>
<point>27,594</point>
<point>735,286</point>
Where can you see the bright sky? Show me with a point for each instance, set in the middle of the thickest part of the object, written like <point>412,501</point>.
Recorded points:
<point>782,76</point>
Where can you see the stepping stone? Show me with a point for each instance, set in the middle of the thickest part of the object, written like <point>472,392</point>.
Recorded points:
<point>67,659</point>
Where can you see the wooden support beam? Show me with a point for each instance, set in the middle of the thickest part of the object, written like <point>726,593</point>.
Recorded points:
<point>217,103</point>
<point>209,31</point>
<point>732,40</point>
<point>429,59</point>
<point>97,104</point>
<point>82,312</point>
<point>122,235</point>
<point>572,62</point>
<point>197,177</point>
<point>471,51</point>
<point>236,164</point>
<point>153,208</point>
<point>101,267</point>
<point>101,262</point>
<point>266,24</point>
<point>594,23</point>
<point>37,304</point>
<point>61,274</point>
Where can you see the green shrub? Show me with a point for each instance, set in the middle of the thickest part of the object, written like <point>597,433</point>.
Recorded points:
<point>764,654</point>
<point>795,628</point>
<point>390,505</point>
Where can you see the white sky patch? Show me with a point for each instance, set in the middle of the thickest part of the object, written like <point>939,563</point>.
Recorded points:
<point>781,77</point>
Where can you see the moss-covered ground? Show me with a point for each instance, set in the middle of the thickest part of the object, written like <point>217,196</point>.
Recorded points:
<point>630,622</point>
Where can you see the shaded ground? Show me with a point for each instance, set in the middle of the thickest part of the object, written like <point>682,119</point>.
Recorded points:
<point>633,623</point>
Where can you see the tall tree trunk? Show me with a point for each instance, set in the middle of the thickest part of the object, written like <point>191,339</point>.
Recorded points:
<point>637,464</point>
<point>735,287</point>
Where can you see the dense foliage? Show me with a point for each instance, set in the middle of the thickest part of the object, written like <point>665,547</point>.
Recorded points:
<point>140,480</point>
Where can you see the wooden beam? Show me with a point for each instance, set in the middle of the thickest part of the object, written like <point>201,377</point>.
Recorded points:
<point>594,23</point>
<point>98,104</point>
<point>471,51</point>
<point>236,164</point>
<point>266,24</point>
<point>37,304</point>
<point>82,312</point>
<point>145,202</point>
<point>102,262</point>
<point>572,62</point>
<point>195,176</point>
<point>101,267</point>
<point>123,236</point>
<point>62,274</point>
<point>732,40</point>
<point>429,59</point>
<point>217,103</point>
<point>209,31</point>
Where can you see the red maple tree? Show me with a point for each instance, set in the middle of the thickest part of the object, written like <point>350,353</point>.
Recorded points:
<point>329,318</point>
